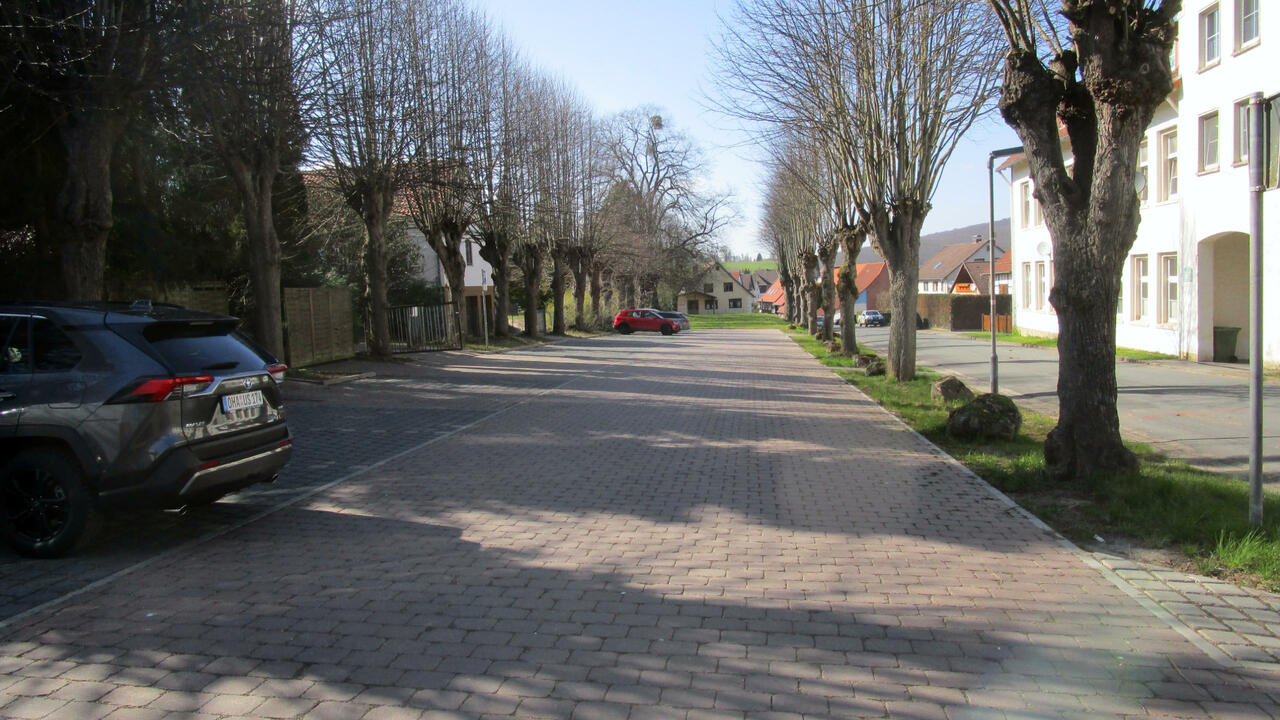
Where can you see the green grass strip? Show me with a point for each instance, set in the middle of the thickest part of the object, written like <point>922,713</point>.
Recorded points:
<point>750,321</point>
<point>1052,342</point>
<point>1166,504</point>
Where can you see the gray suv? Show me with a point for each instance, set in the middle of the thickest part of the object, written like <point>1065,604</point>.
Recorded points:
<point>110,405</point>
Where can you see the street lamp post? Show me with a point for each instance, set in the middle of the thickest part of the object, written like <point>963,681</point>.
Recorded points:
<point>1259,108</point>
<point>991,254</point>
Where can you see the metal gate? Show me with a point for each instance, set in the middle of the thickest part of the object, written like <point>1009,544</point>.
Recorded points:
<point>417,328</point>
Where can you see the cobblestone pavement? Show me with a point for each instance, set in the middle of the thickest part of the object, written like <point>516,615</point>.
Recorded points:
<point>338,430</point>
<point>627,527</point>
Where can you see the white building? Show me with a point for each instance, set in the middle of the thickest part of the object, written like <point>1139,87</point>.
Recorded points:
<point>1188,270</point>
<point>477,278</point>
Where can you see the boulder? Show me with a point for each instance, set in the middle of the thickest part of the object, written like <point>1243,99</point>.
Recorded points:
<point>951,389</point>
<point>987,416</point>
<point>875,366</point>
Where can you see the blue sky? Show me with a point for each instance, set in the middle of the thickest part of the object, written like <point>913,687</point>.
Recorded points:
<point>622,53</point>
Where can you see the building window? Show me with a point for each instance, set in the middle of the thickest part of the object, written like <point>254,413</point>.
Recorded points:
<point>1041,280</point>
<point>1246,23</point>
<point>735,303</point>
<point>1144,171</point>
<point>708,287</point>
<point>1168,164</point>
<point>709,304</point>
<point>1168,307</point>
<point>1210,41</point>
<point>1025,194</point>
<point>728,287</point>
<point>1209,142</point>
<point>470,259</point>
<point>1026,285</point>
<point>1141,284</point>
<point>1241,132</point>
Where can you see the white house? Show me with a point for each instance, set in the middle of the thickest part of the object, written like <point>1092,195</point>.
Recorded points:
<point>1188,270</point>
<point>718,292</point>
<point>477,279</point>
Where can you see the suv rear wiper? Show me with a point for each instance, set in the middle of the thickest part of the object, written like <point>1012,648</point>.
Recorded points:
<point>221,366</point>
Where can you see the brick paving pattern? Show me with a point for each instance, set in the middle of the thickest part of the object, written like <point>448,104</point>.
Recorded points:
<point>639,527</point>
<point>1243,623</point>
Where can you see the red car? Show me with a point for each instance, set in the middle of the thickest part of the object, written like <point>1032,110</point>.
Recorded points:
<point>629,321</point>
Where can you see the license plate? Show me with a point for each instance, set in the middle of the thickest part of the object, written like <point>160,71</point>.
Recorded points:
<point>242,401</point>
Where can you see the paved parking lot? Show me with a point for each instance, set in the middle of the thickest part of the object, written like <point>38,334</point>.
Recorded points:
<point>705,526</point>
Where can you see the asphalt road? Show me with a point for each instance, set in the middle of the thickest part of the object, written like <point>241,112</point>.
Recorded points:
<point>1190,411</point>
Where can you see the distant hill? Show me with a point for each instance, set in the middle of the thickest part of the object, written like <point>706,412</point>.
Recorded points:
<point>931,243</point>
<point>752,265</point>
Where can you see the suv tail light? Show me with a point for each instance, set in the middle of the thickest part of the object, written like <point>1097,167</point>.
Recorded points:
<point>277,371</point>
<point>159,389</point>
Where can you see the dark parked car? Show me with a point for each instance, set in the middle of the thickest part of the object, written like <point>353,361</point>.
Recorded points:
<point>681,319</point>
<point>629,321</point>
<point>106,405</point>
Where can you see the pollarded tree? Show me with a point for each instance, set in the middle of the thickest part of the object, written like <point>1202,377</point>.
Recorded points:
<point>239,77</point>
<point>892,85</point>
<point>1101,78</point>
<point>450,56</point>
<point>361,124</point>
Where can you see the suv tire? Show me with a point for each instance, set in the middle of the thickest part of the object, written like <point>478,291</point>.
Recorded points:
<point>44,504</point>
<point>668,330</point>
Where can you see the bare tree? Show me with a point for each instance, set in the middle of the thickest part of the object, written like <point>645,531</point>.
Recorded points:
<point>502,162</point>
<point>892,85</point>
<point>656,196</point>
<point>361,124</point>
<point>1101,78</point>
<point>84,68</point>
<point>241,65</point>
<point>450,53</point>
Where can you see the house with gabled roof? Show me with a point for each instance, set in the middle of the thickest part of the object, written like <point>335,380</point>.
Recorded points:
<point>717,292</point>
<point>773,300</point>
<point>938,274</point>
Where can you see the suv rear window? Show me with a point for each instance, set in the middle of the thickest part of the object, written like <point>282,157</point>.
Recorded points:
<point>201,348</point>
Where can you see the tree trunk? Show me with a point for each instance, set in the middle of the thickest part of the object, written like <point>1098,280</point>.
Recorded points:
<point>82,212</point>
<point>809,260</point>
<point>495,249</point>
<point>375,261</point>
<point>558,286</point>
<point>531,264</point>
<point>827,256</point>
<point>899,240</point>
<point>580,278</point>
<point>256,187</point>
<point>851,242</point>
<point>596,289</point>
<point>789,293</point>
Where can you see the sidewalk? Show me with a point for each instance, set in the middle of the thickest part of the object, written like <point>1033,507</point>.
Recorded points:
<point>631,527</point>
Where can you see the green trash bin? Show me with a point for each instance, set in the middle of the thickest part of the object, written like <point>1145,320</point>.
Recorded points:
<point>1224,343</point>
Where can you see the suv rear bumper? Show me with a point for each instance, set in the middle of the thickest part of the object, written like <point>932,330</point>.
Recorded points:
<point>190,473</point>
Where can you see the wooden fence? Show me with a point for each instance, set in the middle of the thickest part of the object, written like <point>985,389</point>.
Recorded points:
<point>318,325</point>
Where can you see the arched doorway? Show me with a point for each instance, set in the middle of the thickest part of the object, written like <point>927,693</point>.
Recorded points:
<point>1223,291</point>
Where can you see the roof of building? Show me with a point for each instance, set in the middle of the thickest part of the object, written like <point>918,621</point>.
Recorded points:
<point>949,259</point>
<point>978,274</point>
<point>1004,264</point>
<point>775,294</point>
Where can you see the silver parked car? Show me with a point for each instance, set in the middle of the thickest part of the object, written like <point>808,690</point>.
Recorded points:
<point>681,319</point>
